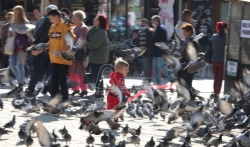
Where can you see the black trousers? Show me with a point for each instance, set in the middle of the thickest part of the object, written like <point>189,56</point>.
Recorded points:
<point>187,77</point>
<point>59,79</point>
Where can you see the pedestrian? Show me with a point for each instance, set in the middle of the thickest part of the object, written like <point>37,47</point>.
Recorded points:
<point>117,79</point>
<point>178,33</point>
<point>218,43</point>
<point>203,27</point>
<point>145,34</point>
<point>188,31</point>
<point>159,63</point>
<point>77,69</point>
<point>66,12</point>
<point>97,45</point>
<point>37,13</point>
<point>18,58</point>
<point>41,61</point>
<point>5,31</point>
<point>57,44</point>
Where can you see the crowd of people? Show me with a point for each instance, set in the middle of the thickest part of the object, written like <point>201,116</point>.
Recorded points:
<point>50,29</point>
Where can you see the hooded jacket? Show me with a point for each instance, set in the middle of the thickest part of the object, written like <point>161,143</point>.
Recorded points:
<point>179,36</point>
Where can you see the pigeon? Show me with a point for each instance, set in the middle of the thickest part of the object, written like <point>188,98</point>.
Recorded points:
<point>215,142</point>
<point>125,130</point>
<point>121,96</point>
<point>95,129</point>
<point>3,132</point>
<point>163,115</point>
<point>105,138</point>
<point>11,123</point>
<point>131,113</point>
<point>151,143</point>
<point>54,136</point>
<point>207,137</point>
<point>112,139</point>
<point>67,137</point>
<point>28,141</point>
<point>4,75</point>
<point>135,139</point>
<point>186,139</point>
<point>136,131</point>
<point>1,104</point>
<point>244,124</point>
<point>22,134</point>
<point>63,131</point>
<point>173,132</point>
<point>90,140</point>
<point>112,124</point>
<point>138,111</point>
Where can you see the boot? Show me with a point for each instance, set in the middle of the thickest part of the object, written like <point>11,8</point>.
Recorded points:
<point>84,93</point>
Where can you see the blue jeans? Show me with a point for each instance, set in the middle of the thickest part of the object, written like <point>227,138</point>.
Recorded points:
<point>41,62</point>
<point>159,65</point>
<point>17,62</point>
<point>147,67</point>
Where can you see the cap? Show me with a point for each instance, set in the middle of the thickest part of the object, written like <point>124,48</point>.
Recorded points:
<point>51,7</point>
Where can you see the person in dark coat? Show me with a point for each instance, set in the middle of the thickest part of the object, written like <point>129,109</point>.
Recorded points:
<point>203,27</point>
<point>188,31</point>
<point>41,60</point>
<point>159,63</point>
<point>145,35</point>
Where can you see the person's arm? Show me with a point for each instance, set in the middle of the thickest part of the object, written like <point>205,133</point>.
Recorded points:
<point>197,29</point>
<point>121,11</point>
<point>97,41</point>
<point>40,28</point>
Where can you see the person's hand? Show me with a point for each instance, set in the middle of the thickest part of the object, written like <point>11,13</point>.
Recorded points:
<point>35,53</point>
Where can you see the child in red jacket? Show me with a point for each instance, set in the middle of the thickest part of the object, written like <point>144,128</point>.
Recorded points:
<point>117,79</point>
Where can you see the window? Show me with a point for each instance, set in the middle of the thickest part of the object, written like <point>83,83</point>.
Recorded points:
<point>28,5</point>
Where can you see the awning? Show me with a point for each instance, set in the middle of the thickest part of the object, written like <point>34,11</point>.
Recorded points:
<point>238,0</point>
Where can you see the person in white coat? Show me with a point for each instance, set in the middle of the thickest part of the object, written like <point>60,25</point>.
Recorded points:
<point>178,33</point>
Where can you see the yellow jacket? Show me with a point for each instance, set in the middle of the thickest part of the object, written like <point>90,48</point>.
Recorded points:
<point>57,42</point>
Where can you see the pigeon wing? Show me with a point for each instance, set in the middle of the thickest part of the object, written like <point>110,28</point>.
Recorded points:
<point>116,91</point>
<point>69,40</point>
<point>55,101</point>
<point>235,93</point>
<point>225,107</point>
<point>183,91</point>
<point>43,135</point>
<point>246,76</point>
<point>243,87</point>
<point>191,51</point>
<point>5,73</point>
<point>29,125</point>
<point>63,105</point>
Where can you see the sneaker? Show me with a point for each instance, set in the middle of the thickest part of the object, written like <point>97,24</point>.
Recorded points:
<point>14,82</point>
<point>75,92</point>
<point>84,93</point>
<point>39,85</point>
<point>142,74</point>
<point>27,80</point>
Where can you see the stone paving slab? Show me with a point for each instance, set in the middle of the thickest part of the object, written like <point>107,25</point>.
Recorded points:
<point>156,128</point>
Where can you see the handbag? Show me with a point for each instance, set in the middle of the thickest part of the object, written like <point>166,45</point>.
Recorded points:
<point>9,45</point>
<point>89,78</point>
<point>208,55</point>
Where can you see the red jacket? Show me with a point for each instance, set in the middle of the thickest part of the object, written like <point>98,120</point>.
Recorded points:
<point>117,79</point>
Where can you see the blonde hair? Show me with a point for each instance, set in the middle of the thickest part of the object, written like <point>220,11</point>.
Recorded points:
<point>9,13</point>
<point>80,14</point>
<point>120,63</point>
<point>21,15</point>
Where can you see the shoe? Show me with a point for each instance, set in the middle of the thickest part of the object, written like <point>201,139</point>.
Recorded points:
<point>27,80</point>
<point>39,85</point>
<point>84,93</point>
<point>216,97</point>
<point>28,93</point>
<point>95,95</point>
<point>14,82</point>
<point>75,92</point>
<point>142,74</point>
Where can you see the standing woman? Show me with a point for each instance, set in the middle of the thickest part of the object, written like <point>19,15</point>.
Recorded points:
<point>218,42</point>
<point>4,36</point>
<point>97,45</point>
<point>17,60</point>
<point>77,69</point>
